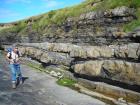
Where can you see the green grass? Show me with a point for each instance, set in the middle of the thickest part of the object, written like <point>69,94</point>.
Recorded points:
<point>134,24</point>
<point>110,4</point>
<point>40,67</point>
<point>58,17</point>
<point>66,82</point>
<point>14,29</point>
<point>62,81</point>
<point>35,66</point>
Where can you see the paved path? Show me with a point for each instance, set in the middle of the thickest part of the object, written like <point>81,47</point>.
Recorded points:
<point>38,89</point>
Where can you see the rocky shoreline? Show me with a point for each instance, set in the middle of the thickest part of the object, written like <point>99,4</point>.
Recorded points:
<point>113,65</point>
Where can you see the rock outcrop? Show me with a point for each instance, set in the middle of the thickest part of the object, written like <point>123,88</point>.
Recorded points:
<point>118,63</point>
<point>94,28</point>
<point>111,69</point>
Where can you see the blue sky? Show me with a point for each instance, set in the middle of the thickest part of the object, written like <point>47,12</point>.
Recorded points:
<point>13,10</point>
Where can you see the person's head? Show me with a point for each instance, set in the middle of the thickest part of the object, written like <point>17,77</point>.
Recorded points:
<point>15,49</point>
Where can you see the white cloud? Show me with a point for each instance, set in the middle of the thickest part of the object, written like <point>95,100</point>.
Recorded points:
<point>51,3</point>
<point>5,13</point>
<point>19,1</point>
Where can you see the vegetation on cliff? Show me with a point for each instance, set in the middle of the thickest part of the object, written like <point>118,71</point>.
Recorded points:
<point>39,23</point>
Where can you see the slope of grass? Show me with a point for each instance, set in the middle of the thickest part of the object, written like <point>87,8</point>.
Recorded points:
<point>19,26</point>
<point>132,25</point>
<point>59,16</point>
<point>110,4</point>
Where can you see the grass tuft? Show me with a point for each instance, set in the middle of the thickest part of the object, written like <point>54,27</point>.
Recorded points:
<point>66,82</point>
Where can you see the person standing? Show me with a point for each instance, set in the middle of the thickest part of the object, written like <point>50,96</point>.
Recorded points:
<point>13,58</point>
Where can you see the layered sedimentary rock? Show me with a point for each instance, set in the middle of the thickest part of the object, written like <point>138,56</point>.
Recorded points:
<point>111,69</point>
<point>119,63</point>
<point>94,28</point>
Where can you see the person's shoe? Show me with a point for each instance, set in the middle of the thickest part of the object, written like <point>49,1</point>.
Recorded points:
<point>14,84</point>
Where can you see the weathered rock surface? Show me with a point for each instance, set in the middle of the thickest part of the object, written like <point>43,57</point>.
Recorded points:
<point>91,68</point>
<point>112,69</point>
<point>124,51</point>
<point>47,57</point>
<point>115,91</point>
<point>122,71</point>
<point>114,62</point>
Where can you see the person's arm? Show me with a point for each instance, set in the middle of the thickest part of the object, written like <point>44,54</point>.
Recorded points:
<point>7,57</point>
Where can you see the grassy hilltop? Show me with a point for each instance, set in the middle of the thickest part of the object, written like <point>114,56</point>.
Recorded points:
<point>59,16</point>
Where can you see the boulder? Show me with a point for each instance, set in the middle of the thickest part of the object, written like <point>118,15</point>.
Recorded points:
<point>122,71</point>
<point>121,51</point>
<point>127,51</point>
<point>133,50</point>
<point>121,11</point>
<point>90,68</point>
<point>47,57</point>
<point>78,52</point>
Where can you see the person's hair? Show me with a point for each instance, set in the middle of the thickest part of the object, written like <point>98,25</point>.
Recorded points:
<point>14,46</point>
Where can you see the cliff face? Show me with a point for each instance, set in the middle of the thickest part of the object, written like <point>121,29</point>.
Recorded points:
<point>96,28</point>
